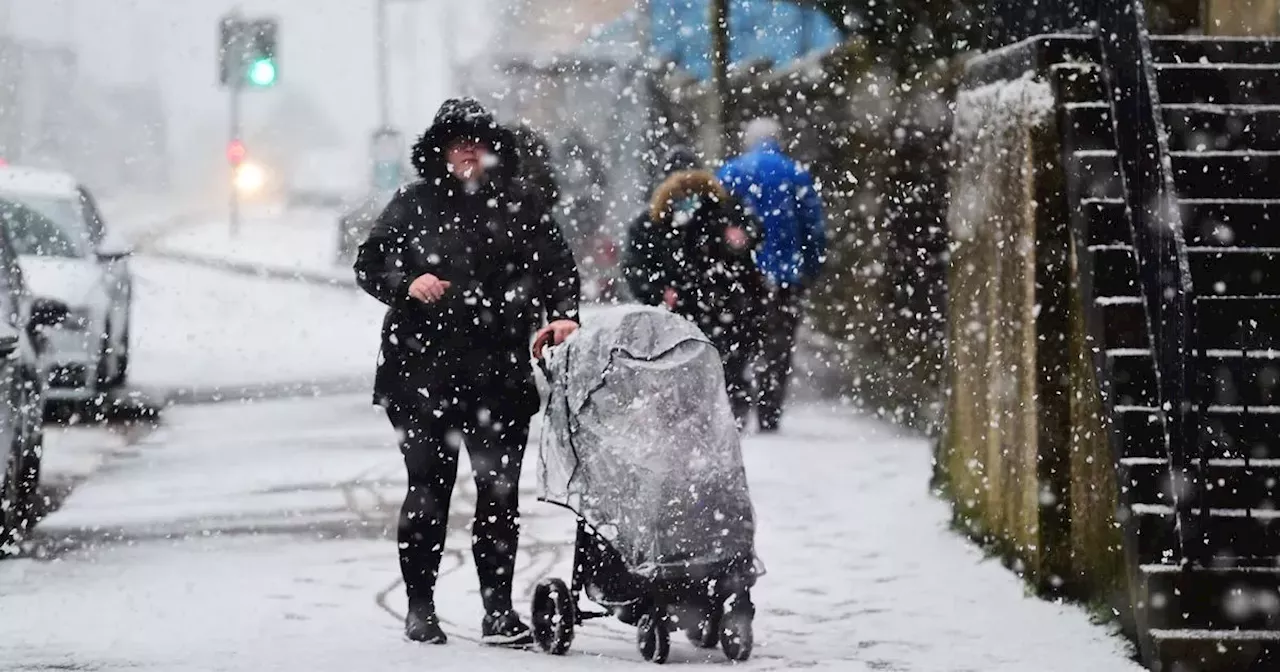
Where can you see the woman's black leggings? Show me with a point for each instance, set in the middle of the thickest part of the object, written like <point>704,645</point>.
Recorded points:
<point>430,446</point>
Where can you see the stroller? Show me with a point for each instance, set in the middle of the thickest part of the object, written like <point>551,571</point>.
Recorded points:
<point>641,444</point>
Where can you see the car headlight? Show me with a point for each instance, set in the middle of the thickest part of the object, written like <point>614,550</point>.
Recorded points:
<point>250,178</point>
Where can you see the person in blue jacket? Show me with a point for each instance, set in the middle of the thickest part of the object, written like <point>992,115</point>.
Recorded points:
<point>783,197</point>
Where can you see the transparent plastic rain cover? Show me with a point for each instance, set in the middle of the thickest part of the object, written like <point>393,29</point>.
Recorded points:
<point>640,441</point>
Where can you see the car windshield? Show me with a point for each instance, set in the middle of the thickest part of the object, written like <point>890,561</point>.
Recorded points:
<point>65,210</point>
<point>34,233</point>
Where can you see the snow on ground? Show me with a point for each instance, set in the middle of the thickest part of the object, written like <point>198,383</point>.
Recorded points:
<point>140,216</point>
<point>302,240</point>
<point>196,327</point>
<point>252,536</point>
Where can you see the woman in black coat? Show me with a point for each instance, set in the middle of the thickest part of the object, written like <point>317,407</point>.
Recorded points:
<point>707,270</point>
<point>467,263</point>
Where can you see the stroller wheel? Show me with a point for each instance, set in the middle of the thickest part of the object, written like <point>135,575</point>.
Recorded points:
<point>554,616</point>
<point>736,631</point>
<point>705,632</point>
<point>653,638</point>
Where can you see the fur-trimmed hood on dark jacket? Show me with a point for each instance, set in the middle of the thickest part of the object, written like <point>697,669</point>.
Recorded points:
<point>681,186</point>
<point>465,118</point>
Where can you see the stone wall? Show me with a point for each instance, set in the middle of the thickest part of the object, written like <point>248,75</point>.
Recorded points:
<point>1026,455</point>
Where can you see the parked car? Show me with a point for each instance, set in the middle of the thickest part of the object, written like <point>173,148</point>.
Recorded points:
<point>22,389</point>
<point>354,224</point>
<point>55,194</point>
<point>68,256</point>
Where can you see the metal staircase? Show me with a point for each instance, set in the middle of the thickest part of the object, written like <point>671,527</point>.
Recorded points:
<point>1201,490</point>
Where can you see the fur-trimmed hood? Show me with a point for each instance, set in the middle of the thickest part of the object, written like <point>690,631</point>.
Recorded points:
<point>683,185</point>
<point>464,118</point>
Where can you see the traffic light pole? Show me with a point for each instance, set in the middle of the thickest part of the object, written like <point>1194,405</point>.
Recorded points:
<point>235,135</point>
<point>384,87</point>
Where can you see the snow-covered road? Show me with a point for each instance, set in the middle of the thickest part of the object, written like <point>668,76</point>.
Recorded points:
<point>254,537</point>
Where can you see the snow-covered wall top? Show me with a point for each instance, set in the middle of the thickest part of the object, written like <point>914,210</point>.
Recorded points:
<point>1027,99</point>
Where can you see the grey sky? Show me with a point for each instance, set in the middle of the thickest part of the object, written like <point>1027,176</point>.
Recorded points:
<point>327,53</point>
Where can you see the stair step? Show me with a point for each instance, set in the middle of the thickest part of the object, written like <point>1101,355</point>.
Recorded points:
<point>1254,224</point>
<point>1226,433</point>
<point>1157,540</point>
<point>1230,484</point>
<point>1222,129</point>
<point>1080,83</point>
<point>1124,325</point>
<point>1115,272</point>
<point>1224,84</point>
<point>1238,380</point>
<point>1237,536</point>
<point>1235,272</point>
<point>1108,223</point>
<point>1088,127</point>
<point>1188,650</point>
<point>1238,323</point>
<point>1142,432</point>
<point>1216,49</point>
<point>1237,599</point>
<point>1133,377</point>
<point>1227,175</point>
<point>1197,127</point>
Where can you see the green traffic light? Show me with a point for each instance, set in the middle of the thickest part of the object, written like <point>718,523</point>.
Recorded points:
<point>262,72</point>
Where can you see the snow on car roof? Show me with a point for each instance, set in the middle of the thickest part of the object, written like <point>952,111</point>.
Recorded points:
<point>35,181</point>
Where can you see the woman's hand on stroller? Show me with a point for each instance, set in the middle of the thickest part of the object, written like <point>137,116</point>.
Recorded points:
<point>670,297</point>
<point>552,334</point>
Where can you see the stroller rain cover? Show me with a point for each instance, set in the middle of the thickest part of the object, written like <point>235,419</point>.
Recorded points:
<point>641,442</point>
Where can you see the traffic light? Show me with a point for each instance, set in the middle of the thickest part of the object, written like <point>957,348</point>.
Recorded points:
<point>262,72</point>
<point>248,53</point>
<point>236,152</point>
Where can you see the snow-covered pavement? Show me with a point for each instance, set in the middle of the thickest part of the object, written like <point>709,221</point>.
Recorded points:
<point>254,536</point>
<point>300,242</point>
<point>203,330</point>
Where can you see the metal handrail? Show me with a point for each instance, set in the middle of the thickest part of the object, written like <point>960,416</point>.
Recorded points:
<point>1156,226</point>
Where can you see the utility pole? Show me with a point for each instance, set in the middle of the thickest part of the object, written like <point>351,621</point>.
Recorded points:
<point>721,106</point>
<point>235,134</point>
<point>380,43</point>
<point>247,57</point>
<point>449,20</point>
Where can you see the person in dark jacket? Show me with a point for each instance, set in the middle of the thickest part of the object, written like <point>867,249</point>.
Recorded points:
<point>650,246</point>
<point>467,266</point>
<point>710,276</point>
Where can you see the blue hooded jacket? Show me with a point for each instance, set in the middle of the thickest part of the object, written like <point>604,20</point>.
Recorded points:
<point>782,196</point>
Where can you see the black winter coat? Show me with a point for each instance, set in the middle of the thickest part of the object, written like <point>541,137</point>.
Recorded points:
<point>646,259</point>
<point>717,286</point>
<point>508,264</point>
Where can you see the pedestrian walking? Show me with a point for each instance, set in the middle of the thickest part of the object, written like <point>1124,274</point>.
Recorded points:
<point>783,197</point>
<point>708,272</point>
<point>651,246</point>
<point>467,267</point>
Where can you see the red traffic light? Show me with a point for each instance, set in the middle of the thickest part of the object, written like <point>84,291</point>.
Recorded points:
<point>236,152</point>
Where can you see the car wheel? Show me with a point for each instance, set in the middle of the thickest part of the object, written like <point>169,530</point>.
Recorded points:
<point>107,378</point>
<point>122,359</point>
<point>10,501</point>
<point>21,482</point>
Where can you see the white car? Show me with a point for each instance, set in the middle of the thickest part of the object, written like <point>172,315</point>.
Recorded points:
<point>66,255</point>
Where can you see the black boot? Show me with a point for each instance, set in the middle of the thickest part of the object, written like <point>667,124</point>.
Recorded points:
<point>505,629</point>
<point>421,625</point>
